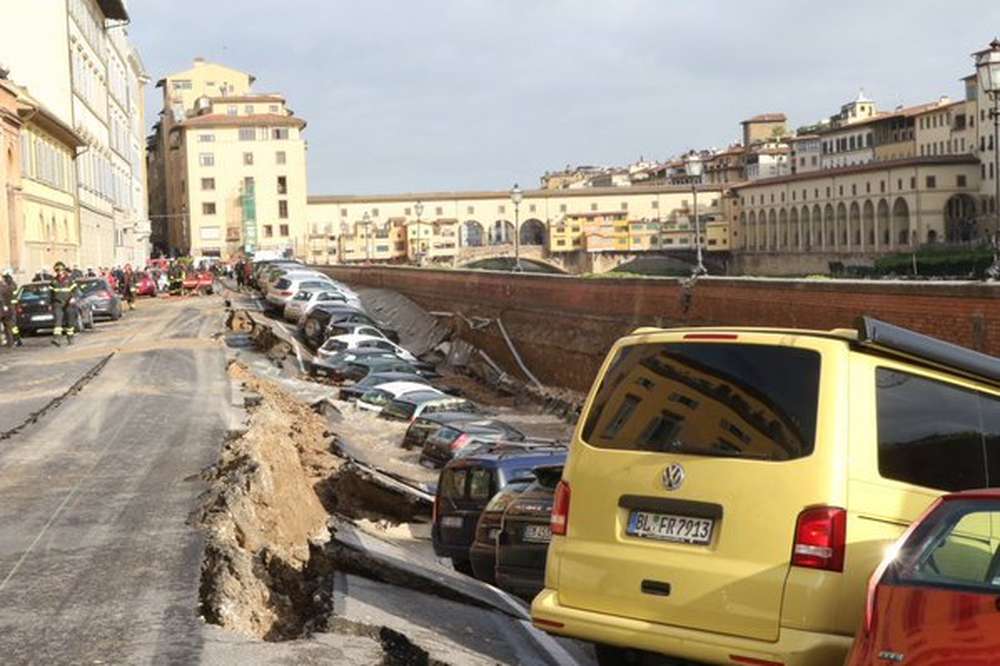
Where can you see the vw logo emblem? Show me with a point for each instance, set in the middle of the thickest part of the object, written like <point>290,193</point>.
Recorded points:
<point>673,477</point>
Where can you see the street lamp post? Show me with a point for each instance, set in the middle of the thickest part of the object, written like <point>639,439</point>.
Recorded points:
<point>988,67</point>
<point>366,220</point>
<point>516,195</point>
<point>419,210</point>
<point>694,170</point>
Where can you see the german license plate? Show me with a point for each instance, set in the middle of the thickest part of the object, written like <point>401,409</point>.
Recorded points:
<point>538,533</point>
<point>451,521</point>
<point>42,317</point>
<point>668,527</point>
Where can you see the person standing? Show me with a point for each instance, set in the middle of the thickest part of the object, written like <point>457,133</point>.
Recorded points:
<point>240,274</point>
<point>8,311</point>
<point>63,302</point>
<point>128,286</point>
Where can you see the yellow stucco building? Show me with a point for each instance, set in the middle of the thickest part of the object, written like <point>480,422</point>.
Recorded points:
<point>610,219</point>
<point>231,167</point>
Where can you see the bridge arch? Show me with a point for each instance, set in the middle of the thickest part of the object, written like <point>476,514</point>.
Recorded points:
<point>472,234</point>
<point>868,222</point>
<point>882,223</point>
<point>960,219</point>
<point>501,232</point>
<point>533,232</point>
<point>901,221</point>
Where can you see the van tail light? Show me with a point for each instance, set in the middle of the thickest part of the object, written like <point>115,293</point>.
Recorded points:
<point>284,293</point>
<point>559,519</point>
<point>460,441</point>
<point>820,539</point>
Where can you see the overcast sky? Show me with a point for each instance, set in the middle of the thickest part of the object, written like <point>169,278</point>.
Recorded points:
<point>461,94</point>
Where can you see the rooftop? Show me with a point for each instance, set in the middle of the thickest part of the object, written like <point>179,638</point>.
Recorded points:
<point>943,160</point>
<point>766,118</point>
<point>254,120</point>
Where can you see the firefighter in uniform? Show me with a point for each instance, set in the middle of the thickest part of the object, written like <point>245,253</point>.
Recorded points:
<point>63,299</point>
<point>8,310</point>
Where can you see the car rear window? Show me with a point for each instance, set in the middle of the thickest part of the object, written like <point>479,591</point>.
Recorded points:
<point>33,294</point>
<point>463,406</point>
<point>935,434</point>
<point>453,483</point>
<point>400,410</point>
<point>377,397</point>
<point>88,287</point>
<point>283,283</point>
<point>480,484</point>
<point>446,435</point>
<point>314,285</point>
<point>709,399</point>
<point>955,547</point>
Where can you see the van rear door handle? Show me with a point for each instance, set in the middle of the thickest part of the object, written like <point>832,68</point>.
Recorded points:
<point>656,588</point>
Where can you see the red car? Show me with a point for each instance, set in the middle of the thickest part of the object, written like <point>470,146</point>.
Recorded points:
<point>145,285</point>
<point>935,600</point>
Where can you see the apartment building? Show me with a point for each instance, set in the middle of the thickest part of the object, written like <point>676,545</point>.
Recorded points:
<point>75,59</point>
<point>229,167</point>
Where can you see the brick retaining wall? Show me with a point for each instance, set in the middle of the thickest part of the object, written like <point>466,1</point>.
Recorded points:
<point>563,326</point>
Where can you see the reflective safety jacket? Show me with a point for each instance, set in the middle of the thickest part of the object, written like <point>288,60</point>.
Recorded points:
<point>63,289</point>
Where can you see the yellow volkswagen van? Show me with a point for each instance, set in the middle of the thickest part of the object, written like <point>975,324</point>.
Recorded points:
<point>729,491</point>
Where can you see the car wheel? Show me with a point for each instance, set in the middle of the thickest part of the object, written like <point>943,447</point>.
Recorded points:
<point>462,566</point>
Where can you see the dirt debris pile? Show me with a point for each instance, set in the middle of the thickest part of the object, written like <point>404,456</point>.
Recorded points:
<point>264,503</point>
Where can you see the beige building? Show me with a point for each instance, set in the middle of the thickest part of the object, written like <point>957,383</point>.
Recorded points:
<point>230,167</point>
<point>10,178</point>
<point>74,57</point>
<point>870,208</point>
<point>763,128</point>
<point>619,219</point>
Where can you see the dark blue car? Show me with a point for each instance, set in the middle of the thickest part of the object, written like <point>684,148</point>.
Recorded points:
<point>467,484</point>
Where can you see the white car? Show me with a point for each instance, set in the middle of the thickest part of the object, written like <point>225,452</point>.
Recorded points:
<point>378,397</point>
<point>285,288</point>
<point>352,341</point>
<point>303,302</point>
<point>288,273</point>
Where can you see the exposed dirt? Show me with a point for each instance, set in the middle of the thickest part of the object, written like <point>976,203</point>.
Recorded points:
<point>264,503</point>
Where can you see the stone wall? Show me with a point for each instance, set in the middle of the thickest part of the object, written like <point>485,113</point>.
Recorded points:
<point>563,326</point>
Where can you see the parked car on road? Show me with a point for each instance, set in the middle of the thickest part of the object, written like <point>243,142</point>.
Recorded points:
<point>736,487</point>
<point>145,285</point>
<point>934,600</point>
<point>314,324</point>
<point>102,300</point>
<point>355,341</point>
<point>360,368</point>
<point>483,551</point>
<point>303,302</point>
<point>449,441</point>
<point>524,536</point>
<point>285,289</point>
<point>414,405</point>
<point>376,399</point>
<point>466,486</point>
<point>355,391</point>
<point>423,427</point>
<point>34,307</point>
<point>355,328</point>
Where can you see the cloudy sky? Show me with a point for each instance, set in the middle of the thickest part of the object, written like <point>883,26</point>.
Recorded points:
<point>457,94</point>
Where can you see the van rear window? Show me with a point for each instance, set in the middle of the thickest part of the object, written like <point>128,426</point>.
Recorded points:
<point>710,399</point>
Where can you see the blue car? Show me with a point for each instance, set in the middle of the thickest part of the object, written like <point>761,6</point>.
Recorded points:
<point>467,484</point>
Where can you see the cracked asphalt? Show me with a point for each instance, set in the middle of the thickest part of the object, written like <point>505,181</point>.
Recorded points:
<point>98,471</point>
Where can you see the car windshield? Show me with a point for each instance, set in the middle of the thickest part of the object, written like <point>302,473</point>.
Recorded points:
<point>88,287</point>
<point>708,399</point>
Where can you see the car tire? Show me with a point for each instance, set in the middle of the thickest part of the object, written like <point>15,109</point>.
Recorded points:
<point>463,567</point>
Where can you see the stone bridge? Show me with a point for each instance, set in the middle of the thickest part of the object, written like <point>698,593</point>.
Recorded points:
<point>580,262</point>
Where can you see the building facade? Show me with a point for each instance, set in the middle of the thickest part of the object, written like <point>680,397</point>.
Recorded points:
<point>74,57</point>
<point>230,167</point>
<point>616,219</point>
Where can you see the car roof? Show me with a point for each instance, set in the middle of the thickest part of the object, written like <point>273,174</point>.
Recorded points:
<point>406,388</point>
<point>421,397</point>
<point>982,493</point>
<point>394,375</point>
<point>501,456</point>
<point>445,418</point>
